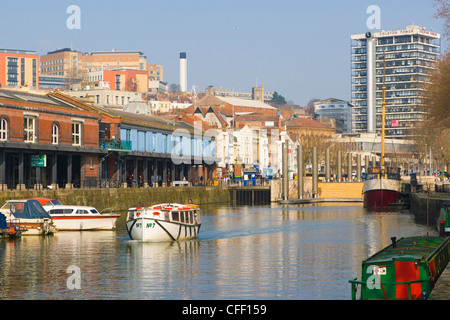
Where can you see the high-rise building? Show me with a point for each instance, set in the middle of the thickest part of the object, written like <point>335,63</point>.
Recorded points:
<point>409,55</point>
<point>19,68</point>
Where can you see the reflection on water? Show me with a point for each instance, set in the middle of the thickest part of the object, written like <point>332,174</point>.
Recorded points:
<point>269,252</point>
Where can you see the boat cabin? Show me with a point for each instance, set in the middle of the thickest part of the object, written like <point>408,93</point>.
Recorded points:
<point>25,209</point>
<point>391,173</point>
<point>185,214</point>
<point>407,269</point>
<point>73,210</point>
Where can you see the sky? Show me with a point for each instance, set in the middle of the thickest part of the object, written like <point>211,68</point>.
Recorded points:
<point>301,49</point>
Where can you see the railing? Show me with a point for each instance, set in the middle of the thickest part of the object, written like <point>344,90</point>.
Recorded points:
<point>355,282</point>
<point>32,184</point>
<point>442,188</point>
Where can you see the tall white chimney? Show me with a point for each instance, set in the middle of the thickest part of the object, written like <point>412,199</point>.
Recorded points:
<point>183,72</point>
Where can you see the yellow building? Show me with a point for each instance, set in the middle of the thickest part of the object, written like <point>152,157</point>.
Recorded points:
<point>67,62</point>
<point>19,68</point>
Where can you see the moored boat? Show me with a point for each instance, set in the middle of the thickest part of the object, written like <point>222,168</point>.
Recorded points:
<point>382,185</point>
<point>29,215</point>
<point>444,220</point>
<point>406,269</point>
<point>381,191</point>
<point>75,218</point>
<point>163,222</point>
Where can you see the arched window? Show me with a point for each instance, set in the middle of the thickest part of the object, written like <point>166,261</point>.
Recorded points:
<point>55,133</point>
<point>4,129</point>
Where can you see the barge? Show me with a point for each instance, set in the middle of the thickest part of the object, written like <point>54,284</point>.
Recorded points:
<point>405,270</point>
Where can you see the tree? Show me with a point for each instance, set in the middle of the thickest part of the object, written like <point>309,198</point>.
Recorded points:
<point>174,87</point>
<point>309,109</point>
<point>443,12</point>
<point>278,99</point>
<point>436,95</point>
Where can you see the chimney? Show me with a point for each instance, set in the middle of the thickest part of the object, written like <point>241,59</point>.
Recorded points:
<point>183,72</point>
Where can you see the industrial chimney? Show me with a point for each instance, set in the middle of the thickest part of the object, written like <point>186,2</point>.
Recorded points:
<point>183,72</point>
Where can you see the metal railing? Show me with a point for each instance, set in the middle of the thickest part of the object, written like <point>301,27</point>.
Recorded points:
<point>355,282</point>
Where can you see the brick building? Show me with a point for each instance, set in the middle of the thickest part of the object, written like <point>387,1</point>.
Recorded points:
<point>46,142</point>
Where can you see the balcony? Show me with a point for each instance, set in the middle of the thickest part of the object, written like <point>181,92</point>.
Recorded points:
<point>115,145</point>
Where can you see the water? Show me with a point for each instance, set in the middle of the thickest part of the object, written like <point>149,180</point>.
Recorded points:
<point>269,252</point>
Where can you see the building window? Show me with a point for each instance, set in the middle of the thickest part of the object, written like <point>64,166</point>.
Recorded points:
<point>34,73</point>
<point>29,128</point>
<point>55,133</point>
<point>117,82</point>
<point>76,133</point>
<point>3,129</point>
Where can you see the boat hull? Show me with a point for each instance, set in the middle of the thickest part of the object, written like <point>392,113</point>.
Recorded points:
<point>379,193</point>
<point>34,228</point>
<point>148,229</point>
<point>76,223</point>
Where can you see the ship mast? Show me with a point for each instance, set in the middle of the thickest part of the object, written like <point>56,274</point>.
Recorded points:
<point>383,116</point>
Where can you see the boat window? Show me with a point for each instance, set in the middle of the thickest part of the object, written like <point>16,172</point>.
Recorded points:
<point>55,202</point>
<point>182,216</point>
<point>175,216</point>
<point>94,211</point>
<point>57,211</point>
<point>130,214</point>
<point>17,207</point>
<point>81,211</point>
<point>68,211</point>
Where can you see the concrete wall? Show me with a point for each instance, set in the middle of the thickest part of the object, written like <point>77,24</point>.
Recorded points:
<point>126,198</point>
<point>419,207</point>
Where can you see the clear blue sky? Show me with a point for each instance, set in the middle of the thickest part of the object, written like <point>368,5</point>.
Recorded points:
<point>301,49</point>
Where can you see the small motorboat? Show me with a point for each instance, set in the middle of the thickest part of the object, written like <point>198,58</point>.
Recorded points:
<point>75,218</point>
<point>29,216</point>
<point>163,222</point>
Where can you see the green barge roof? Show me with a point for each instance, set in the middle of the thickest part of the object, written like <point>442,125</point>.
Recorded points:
<point>411,248</point>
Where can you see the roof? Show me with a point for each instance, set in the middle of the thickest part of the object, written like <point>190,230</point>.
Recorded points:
<point>137,105</point>
<point>246,103</point>
<point>306,123</point>
<point>29,97</point>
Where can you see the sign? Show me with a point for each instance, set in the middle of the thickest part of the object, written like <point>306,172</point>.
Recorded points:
<point>394,123</point>
<point>38,160</point>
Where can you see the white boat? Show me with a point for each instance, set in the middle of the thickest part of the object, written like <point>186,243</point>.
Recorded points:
<point>75,218</point>
<point>30,216</point>
<point>163,222</point>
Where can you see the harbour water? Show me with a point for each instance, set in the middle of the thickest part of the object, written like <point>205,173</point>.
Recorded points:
<point>306,252</point>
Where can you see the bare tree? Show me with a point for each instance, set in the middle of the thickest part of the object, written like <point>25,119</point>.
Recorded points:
<point>174,87</point>
<point>443,12</point>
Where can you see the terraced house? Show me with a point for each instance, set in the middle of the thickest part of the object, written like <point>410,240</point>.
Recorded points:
<point>59,142</point>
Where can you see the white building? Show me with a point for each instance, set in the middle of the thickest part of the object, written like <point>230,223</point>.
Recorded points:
<point>410,54</point>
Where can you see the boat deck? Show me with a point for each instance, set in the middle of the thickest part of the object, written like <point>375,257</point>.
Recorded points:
<point>408,248</point>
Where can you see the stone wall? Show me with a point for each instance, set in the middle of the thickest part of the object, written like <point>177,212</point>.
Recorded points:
<point>435,202</point>
<point>123,199</point>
